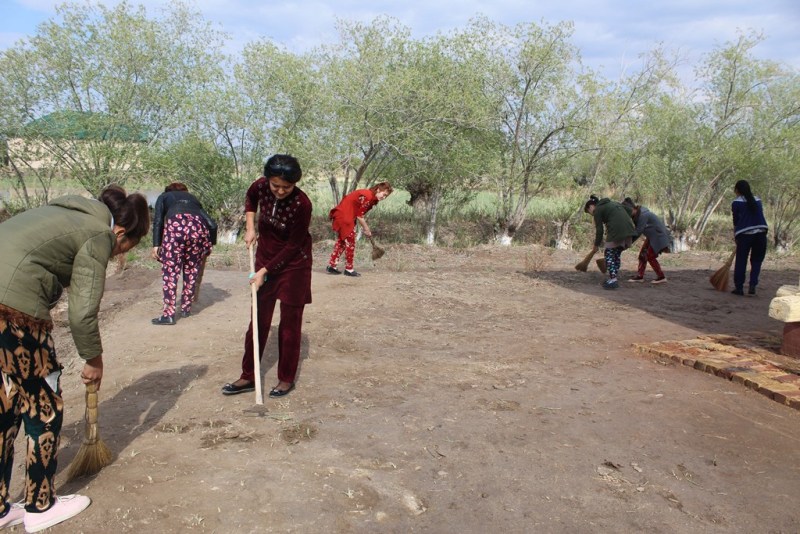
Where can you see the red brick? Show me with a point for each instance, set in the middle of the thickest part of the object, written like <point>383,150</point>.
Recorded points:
<point>790,346</point>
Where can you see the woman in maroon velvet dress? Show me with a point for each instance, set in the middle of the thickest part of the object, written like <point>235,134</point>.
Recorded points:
<point>283,268</point>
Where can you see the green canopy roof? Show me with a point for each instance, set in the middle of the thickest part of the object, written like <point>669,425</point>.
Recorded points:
<point>84,125</point>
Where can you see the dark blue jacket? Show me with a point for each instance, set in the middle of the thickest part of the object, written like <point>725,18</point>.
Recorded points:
<point>173,203</point>
<point>746,220</point>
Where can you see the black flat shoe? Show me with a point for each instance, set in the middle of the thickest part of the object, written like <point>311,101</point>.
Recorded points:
<point>184,315</point>
<point>737,292</point>
<point>164,319</point>
<point>230,389</point>
<point>275,392</point>
<point>332,270</point>
<point>351,273</point>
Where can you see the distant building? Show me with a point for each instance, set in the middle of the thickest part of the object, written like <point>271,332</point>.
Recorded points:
<point>46,141</point>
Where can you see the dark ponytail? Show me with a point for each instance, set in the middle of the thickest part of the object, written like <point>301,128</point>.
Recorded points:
<point>591,202</point>
<point>129,211</point>
<point>743,187</point>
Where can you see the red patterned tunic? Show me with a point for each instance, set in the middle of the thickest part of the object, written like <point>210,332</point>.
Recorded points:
<point>284,242</point>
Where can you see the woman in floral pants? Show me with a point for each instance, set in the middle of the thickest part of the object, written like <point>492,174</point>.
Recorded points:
<point>182,239</point>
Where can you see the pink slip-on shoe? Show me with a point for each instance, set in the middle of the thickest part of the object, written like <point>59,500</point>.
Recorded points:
<point>64,508</point>
<point>14,516</point>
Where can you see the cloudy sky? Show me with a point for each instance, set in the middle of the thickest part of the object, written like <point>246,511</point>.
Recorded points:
<point>610,33</point>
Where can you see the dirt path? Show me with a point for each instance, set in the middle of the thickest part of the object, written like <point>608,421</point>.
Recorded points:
<point>488,390</point>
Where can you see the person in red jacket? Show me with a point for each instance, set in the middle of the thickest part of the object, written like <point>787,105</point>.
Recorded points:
<point>352,208</point>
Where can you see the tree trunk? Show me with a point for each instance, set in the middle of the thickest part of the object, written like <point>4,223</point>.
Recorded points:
<point>504,233</point>
<point>432,212</point>
<point>683,241</point>
<point>563,239</point>
<point>421,198</point>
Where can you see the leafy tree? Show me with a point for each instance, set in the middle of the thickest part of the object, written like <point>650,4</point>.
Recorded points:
<point>355,129</point>
<point>701,144</point>
<point>268,108</point>
<point>776,171</point>
<point>532,87</point>
<point>210,176</point>
<point>121,78</point>
<point>443,156</point>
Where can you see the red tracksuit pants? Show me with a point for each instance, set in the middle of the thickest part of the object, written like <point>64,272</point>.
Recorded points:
<point>348,246</point>
<point>648,255</point>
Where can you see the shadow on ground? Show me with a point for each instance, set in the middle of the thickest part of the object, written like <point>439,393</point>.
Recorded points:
<point>687,299</point>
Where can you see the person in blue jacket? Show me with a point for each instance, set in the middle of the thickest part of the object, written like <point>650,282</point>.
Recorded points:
<point>750,232</point>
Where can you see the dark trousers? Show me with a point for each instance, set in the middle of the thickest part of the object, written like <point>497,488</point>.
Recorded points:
<point>289,338</point>
<point>613,257</point>
<point>29,399</point>
<point>753,246</point>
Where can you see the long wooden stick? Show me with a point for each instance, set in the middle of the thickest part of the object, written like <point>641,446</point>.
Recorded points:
<point>254,320</point>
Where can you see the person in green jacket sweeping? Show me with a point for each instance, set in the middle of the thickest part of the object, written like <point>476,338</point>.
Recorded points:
<point>67,243</point>
<point>620,231</point>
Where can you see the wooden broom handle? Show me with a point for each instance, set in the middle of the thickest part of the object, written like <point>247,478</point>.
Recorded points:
<point>254,320</point>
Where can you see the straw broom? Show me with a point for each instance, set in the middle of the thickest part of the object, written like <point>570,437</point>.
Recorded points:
<point>94,454</point>
<point>720,278</point>
<point>377,252</point>
<point>254,319</point>
<point>601,265</point>
<point>583,265</point>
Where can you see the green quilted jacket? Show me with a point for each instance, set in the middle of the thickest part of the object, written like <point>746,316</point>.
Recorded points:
<point>66,243</point>
<point>617,220</point>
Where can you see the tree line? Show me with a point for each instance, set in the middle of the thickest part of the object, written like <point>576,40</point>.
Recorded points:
<point>112,94</point>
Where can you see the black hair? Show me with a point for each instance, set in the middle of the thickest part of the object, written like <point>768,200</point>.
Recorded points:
<point>283,166</point>
<point>591,202</point>
<point>129,211</point>
<point>743,187</point>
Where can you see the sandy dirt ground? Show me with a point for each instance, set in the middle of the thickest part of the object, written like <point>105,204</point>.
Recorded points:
<point>481,390</point>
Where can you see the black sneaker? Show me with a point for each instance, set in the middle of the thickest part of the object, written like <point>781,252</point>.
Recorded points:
<point>164,319</point>
<point>332,270</point>
<point>611,284</point>
<point>351,273</point>
<point>184,314</point>
<point>737,292</point>
<point>752,290</point>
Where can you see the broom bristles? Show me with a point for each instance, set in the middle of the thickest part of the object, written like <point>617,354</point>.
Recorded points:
<point>94,454</point>
<point>601,264</point>
<point>90,460</point>
<point>583,265</point>
<point>377,252</point>
<point>720,278</point>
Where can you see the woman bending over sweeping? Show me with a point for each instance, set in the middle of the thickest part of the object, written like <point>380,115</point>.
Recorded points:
<point>183,234</point>
<point>656,240</point>
<point>66,243</point>
<point>353,208</point>
<point>620,232</point>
